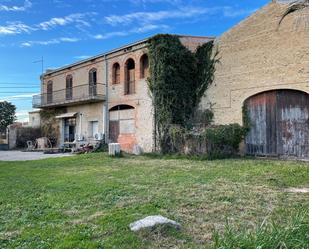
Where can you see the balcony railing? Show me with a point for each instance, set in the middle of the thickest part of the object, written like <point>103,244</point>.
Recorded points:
<point>70,96</point>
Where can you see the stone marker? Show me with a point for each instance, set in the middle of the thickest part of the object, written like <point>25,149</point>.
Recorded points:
<point>114,149</point>
<point>151,222</point>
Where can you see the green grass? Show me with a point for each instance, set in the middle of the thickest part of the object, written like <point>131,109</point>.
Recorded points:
<point>88,201</point>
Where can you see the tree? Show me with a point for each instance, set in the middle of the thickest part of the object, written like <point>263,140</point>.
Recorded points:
<point>295,6</point>
<point>7,115</point>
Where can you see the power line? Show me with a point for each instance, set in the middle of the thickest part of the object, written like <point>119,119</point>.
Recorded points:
<point>19,83</point>
<point>20,87</point>
<point>17,93</point>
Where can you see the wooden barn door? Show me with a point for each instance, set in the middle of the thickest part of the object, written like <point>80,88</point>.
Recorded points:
<point>293,123</point>
<point>279,124</point>
<point>113,131</point>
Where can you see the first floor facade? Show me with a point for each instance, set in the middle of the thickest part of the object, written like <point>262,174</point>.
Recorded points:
<point>128,123</point>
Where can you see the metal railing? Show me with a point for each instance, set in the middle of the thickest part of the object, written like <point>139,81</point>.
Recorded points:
<point>81,93</point>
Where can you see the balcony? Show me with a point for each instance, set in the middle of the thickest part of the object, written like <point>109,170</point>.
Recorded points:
<point>70,96</point>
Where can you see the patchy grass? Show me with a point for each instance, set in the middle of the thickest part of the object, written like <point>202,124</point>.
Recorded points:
<point>88,201</point>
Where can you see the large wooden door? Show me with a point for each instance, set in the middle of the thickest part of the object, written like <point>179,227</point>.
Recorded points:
<point>279,124</point>
<point>113,131</point>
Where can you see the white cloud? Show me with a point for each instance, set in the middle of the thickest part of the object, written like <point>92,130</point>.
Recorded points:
<point>139,2</point>
<point>14,28</point>
<point>27,5</point>
<point>146,17</point>
<point>49,42</point>
<point>82,57</point>
<point>78,18</point>
<point>137,30</point>
<point>180,13</point>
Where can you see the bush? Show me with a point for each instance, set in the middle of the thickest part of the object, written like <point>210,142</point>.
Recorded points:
<point>224,140</point>
<point>25,134</point>
<point>214,142</point>
<point>50,125</point>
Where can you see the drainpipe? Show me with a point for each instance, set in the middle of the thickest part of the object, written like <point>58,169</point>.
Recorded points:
<point>80,127</point>
<point>105,107</point>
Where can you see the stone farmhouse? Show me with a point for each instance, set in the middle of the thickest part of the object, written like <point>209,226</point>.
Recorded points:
<point>263,74</point>
<point>105,97</point>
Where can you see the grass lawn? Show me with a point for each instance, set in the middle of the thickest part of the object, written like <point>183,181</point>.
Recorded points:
<point>88,201</point>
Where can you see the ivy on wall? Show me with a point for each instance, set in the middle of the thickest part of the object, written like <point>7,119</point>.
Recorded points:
<point>178,80</point>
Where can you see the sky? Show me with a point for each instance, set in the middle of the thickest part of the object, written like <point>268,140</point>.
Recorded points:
<point>65,31</point>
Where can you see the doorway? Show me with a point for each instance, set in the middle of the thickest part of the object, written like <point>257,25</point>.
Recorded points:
<point>279,122</point>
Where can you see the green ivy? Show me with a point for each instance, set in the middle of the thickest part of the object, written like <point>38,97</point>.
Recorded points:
<point>178,80</point>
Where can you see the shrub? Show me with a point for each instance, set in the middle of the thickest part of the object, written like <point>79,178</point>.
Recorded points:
<point>25,134</point>
<point>224,140</point>
<point>50,125</point>
<point>214,142</point>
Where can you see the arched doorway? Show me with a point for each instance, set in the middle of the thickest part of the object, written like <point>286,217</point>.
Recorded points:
<point>279,124</point>
<point>122,126</point>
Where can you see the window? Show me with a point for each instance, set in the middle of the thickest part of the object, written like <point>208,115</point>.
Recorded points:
<point>69,87</point>
<point>116,73</point>
<point>130,77</point>
<point>144,64</point>
<point>93,82</point>
<point>94,126</point>
<point>49,92</point>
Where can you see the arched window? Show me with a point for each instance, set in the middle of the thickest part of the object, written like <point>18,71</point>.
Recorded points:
<point>69,87</point>
<point>116,73</point>
<point>130,77</point>
<point>93,82</point>
<point>144,64</point>
<point>49,91</point>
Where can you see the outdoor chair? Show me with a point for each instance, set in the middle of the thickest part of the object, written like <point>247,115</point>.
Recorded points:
<point>30,145</point>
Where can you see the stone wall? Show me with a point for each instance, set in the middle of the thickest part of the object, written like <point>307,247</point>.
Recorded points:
<point>256,56</point>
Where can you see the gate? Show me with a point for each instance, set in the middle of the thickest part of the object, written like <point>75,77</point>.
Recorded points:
<point>279,124</point>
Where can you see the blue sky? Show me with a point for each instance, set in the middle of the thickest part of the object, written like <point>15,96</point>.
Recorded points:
<point>65,31</point>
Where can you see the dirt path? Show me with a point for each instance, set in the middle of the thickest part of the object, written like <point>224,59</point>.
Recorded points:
<point>26,156</point>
